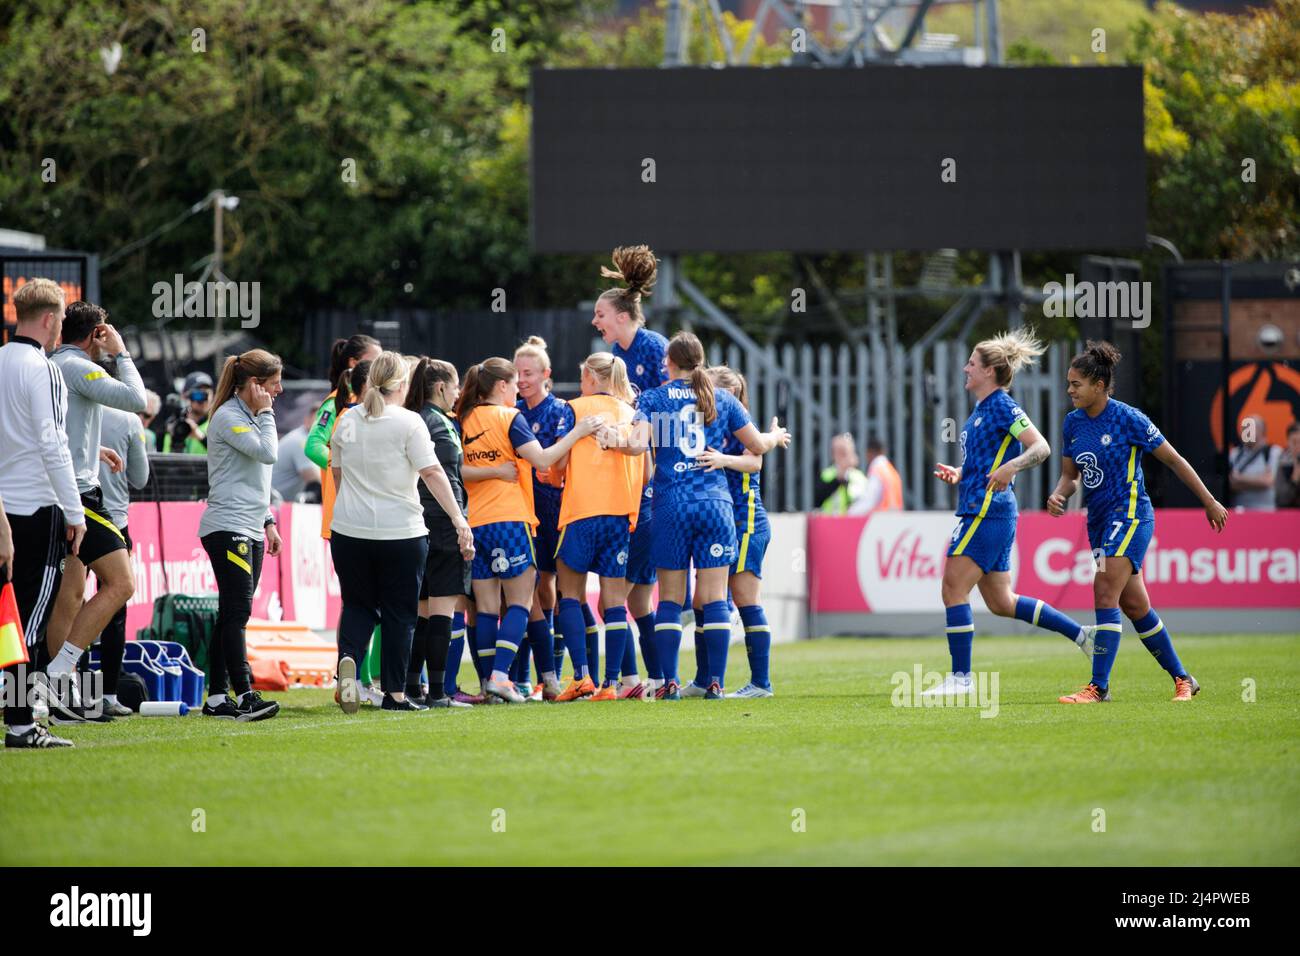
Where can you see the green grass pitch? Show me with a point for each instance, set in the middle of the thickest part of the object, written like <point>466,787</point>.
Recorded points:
<point>828,772</point>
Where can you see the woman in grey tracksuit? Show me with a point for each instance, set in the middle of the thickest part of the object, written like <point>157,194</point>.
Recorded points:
<point>242,447</point>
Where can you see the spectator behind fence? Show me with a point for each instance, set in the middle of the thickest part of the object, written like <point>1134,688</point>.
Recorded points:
<point>293,470</point>
<point>1286,487</point>
<point>842,482</point>
<point>152,405</point>
<point>1253,464</point>
<point>884,488</point>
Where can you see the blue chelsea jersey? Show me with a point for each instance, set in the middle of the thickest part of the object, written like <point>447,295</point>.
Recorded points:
<point>986,438</point>
<point>679,434</point>
<point>1108,453</point>
<point>644,360</point>
<point>549,421</point>
<point>745,494</point>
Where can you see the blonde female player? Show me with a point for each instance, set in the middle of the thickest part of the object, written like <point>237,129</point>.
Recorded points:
<point>682,419</point>
<point>501,513</point>
<point>980,550</point>
<point>602,496</point>
<point>548,418</point>
<point>753,532</point>
<point>620,322</point>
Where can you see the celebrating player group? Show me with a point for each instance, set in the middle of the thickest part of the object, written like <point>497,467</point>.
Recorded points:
<point>522,496</point>
<point>472,514</point>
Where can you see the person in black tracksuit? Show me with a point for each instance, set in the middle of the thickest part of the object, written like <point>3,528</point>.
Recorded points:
<point>38,485</point>
<point>433,393</point>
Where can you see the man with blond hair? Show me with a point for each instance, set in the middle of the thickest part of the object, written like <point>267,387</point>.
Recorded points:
<point>38,486</point>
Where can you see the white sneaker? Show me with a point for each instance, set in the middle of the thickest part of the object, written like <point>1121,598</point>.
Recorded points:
<point>349,689</point>
<point>373,696</point>
<point>502,690</point>
<point>952,686</point>
<point>1086,641</point>
<point>692,689</point>
<point>750,691</point>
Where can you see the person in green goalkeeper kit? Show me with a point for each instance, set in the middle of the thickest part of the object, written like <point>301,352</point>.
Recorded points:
<point>842,482</point>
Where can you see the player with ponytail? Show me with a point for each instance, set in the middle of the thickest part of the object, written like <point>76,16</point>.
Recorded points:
<point>602,496</point>
<point>496,438</point>
<point>242,448</point>
<point>1104,442</point>
<point>753,533</point>
<point>344,356</point>
<point>681,420</point>
<point>621,323</point>
<point>980,549</point>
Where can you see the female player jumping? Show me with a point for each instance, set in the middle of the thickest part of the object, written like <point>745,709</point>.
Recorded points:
<point>602,495</point>
<point>502,517</point>
<point>619,320</point>
<point>1104,441</point>
<point>682,419</point>
<point>980,550</point>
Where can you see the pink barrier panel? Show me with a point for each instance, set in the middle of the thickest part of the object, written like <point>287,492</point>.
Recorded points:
<point>167,556</point>
<point>893,561</point>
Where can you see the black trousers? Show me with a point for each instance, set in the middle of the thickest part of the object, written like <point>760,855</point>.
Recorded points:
<point>237,563</point>
<point>380,584</point>
<point>112,640</point>
<point>39,548</point>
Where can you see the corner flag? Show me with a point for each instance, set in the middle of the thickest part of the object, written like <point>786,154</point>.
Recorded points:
<point>13,649</point>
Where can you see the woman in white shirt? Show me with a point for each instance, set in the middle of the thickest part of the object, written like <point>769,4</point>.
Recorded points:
<point>377,535</point>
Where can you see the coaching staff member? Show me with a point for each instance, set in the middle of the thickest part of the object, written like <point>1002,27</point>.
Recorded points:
<point>37,484</point>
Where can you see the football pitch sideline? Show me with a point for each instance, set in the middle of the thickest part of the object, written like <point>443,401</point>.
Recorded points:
<point>838,768</point>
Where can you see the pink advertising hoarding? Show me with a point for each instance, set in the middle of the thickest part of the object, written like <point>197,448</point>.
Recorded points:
<point>893,561</point>
<point>167,557</point>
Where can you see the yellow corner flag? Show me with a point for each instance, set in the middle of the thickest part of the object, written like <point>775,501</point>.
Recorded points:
<point>13,649</point>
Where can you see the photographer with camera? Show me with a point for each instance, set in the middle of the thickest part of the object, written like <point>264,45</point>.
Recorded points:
<point>186,431</point>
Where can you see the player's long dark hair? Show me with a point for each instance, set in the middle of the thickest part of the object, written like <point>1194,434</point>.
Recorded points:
<point>345,350</point>
<point>352,385</point>
<point>636,266</point>
<point>428,374</point>
<point>687,354</point>
<point>479,382</point>
<point>1097,363</point>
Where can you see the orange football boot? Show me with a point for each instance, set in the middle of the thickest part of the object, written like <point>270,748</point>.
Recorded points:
<point>576,690</point>
<point>1091,694</point>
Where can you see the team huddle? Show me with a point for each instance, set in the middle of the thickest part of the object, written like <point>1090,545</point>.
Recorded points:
<point>522,496</point>
<point>470,515</point>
